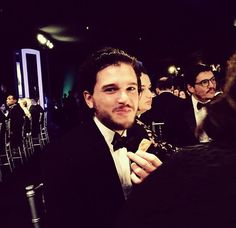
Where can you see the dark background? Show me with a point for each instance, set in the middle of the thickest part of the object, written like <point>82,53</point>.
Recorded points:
<point>159,33</point>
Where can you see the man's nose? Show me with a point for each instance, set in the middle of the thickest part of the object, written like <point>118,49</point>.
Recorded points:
<point>211,84</point>
<point>123,96</point>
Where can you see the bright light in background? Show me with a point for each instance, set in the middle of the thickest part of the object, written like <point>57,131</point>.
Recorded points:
<point>36,53</point>
<point>172,69</point>
<point>50,45</point>
<point>19,79</point>
<point>41,39</point>
<point>44,41</point>
<point>234,22</point>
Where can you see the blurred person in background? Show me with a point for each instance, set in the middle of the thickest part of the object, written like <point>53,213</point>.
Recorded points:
<point>140,129</point>
<point>165,112</point>
<point>16,116</point>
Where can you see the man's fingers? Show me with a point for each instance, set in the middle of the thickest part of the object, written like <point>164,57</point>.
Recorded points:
<point>138,174</point>
<point>142,165</point>
<point>135,179</point>
<point>148,162</point>
<point>142,173</point>
<point>151,158</point>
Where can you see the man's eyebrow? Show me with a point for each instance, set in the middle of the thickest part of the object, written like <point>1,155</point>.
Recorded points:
<point>133,83</point>
<point>109,85</point>
<point>115,85</point>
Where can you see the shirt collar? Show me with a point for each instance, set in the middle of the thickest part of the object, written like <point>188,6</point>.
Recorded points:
<point>195,101</point>
<point>107,133</point>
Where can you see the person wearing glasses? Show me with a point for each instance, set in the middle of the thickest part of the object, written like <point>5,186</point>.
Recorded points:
<point>201,84</point>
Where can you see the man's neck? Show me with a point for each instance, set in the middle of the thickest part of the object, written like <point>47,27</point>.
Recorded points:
<point>200,99</point>
<point>121,132</point>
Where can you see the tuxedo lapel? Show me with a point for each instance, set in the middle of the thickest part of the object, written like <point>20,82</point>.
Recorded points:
<point>189,116</point>
<point>190,119</point>
<point>81,167</point>
<point>103,160</point>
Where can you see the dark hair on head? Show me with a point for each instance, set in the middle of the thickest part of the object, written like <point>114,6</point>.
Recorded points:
<point>164,83</point>
<point>14,96</point>
<point>101,59</point>
<point>98,61</point>
<point>141,67</point>
<point>193,71</point>
<point>220,121</point>
<point>230,85</point>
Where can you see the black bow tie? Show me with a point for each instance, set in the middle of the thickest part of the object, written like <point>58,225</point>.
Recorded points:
<point>119,141</point>
<point>201,105</point>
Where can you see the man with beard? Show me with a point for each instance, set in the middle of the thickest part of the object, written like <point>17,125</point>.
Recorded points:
<point>87,177</point>
<point>201,84</point>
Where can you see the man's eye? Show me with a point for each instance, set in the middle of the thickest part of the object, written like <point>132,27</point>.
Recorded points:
<point>131,88</point>
<point>110,90</point>
<point>204,82</point>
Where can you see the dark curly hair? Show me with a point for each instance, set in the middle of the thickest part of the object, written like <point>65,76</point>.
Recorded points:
<point>221,119</point>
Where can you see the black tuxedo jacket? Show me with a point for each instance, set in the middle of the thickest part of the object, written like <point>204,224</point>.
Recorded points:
<point>2,132</point>
<point>188,124</point>
<point>167,108</point>
<point>35,111</point>
<point>195,189</point>
<point>82,187</point>
<point>16,116</point>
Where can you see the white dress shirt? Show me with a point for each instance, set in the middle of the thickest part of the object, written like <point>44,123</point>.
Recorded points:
<point>120,158</point>
<point>200,114</point>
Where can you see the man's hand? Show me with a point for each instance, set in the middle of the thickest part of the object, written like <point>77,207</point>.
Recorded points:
<point>142,164</point>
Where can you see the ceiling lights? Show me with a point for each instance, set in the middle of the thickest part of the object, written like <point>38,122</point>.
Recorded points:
<point>44,41</point>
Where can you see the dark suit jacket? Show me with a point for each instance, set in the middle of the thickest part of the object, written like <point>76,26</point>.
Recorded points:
<point>195,189</point>
<point>2,132</point>
<point>82,187</point>
<point>16,116</point>
<point>188,124</point>
<point>166,108</point>
<point>35,111</point>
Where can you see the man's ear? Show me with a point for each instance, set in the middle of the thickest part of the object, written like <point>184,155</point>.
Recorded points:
<point>88,98</point>
<point>190,88</point>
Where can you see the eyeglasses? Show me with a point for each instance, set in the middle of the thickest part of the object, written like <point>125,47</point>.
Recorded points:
<point>205,82</point>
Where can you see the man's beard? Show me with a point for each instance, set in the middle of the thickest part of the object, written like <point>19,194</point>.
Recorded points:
<point>108,121</point>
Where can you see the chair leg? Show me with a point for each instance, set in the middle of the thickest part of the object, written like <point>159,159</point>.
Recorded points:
<point>36,202</point>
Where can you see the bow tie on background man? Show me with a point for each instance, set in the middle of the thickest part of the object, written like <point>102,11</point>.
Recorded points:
<point>201,105</point>
<point>119,141</point>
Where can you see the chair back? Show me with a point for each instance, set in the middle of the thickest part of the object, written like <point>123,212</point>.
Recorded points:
<point>157,127</point>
